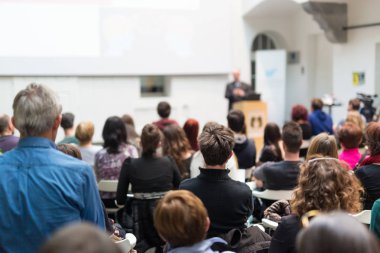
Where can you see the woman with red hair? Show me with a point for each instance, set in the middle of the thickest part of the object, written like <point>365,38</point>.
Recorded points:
<point>299,115</point>
<point>191,128</point>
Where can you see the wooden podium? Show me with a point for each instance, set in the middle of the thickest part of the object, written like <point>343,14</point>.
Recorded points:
<point>256,117</point>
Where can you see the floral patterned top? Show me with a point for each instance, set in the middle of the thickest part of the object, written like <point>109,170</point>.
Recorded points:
<point>108,166</point>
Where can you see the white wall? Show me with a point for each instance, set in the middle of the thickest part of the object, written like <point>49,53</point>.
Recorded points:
<point>358,54</point>
<point>377,71</point>
<point>296,31</point>
<point>324,67</point>
<point>109,38</point>
<point>96,98</point>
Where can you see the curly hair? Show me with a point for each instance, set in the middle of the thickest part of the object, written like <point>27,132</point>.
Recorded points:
<point>325,184</point>
<point>176,144</point>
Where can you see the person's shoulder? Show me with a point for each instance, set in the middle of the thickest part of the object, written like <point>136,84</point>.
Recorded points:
<point>269,165</point>
<point>69,162</point>
<point>188,184</point>
<point>245,84</point>
<point>362,169</point>
<point>370,168</point>
<point>290,220</point>
<point>101,152</point>
<point>242,187</point>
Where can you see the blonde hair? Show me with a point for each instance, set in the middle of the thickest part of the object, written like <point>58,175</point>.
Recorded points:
<point>323,144</point>
<point>325,184</point>
<point>84,132</point>
<point>181,218</point>
<point>355,118</point>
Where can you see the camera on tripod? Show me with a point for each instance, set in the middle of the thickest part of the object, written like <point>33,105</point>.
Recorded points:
<point>368,111</point>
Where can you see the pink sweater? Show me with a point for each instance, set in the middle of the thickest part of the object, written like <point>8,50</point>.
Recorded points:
<point>350,156</point>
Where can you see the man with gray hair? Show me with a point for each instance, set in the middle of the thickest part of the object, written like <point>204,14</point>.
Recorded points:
<point>7,140</point>
<point>42,189</point>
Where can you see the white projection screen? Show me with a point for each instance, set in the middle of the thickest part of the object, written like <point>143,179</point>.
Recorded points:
<point>119,37</point>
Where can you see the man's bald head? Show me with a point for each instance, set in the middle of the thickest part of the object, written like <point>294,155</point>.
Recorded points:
<point>6,127</point>
<point>236,74</point>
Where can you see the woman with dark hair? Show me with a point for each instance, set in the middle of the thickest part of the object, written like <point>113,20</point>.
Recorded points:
<point>109,160</point>
<point>151,176</point>
<point>299,115</point>
<point>191,128</point>
<point>325,185</point>
<point>369,169</point>
<point>132,136</point>
<point>336,233</point>
<point>271,151</point>
<point>177,146</point>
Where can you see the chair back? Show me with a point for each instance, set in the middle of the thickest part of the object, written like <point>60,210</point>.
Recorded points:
<point>128,243</point>
<point>273,194</point>
<point>364,216</point>
<point>107,185</point>
<point>269,224</point>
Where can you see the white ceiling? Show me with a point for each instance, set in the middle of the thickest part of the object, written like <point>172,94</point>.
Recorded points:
<point>279,8</point>
<point>273,8</point>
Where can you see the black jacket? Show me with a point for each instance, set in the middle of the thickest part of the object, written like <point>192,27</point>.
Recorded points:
<point>228,202</point>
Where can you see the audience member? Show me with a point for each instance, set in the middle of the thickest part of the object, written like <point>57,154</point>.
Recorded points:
<point>70,149</point>
<point>320,121</point>
<point>283,175</point>
<point>277,210</point>
<point>369,171</point>
<point>80,238</point>
<point>177,146</point>
<point>67,124</point>
<point>325,185</point>
<point>181,219</point>
<point>132,136</point>
<point>42,189</point>
<point>271,151</point>
<point>7,139</point>
<point>336,233</point>
<point>198,161</point>
<point>350,137</point>
<point>236,90</point>
<point>191,128</point>
<point>84,133</point>
<point>109,160</point>
<point>375,218</point>
<point>228,202</point>
<point>164,110</point>
<point>299,115</point>
<point>353,115</point>
<point>151,177</point>
<point>354,106</point>
<point>356,119</point>
<point>244,148</point>
<point>73,151</point>
<point>323,144</point>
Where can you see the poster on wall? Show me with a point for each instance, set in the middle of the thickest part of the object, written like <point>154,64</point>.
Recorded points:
<point>358,78</point>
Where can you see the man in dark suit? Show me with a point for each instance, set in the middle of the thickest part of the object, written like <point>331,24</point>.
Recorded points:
<point>236,90</point>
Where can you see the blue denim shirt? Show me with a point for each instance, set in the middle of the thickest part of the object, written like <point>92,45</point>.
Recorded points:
<point>41,190</point>
<point>200,247</point>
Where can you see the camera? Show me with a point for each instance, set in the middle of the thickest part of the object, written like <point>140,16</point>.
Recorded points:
<point>368,111</point>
